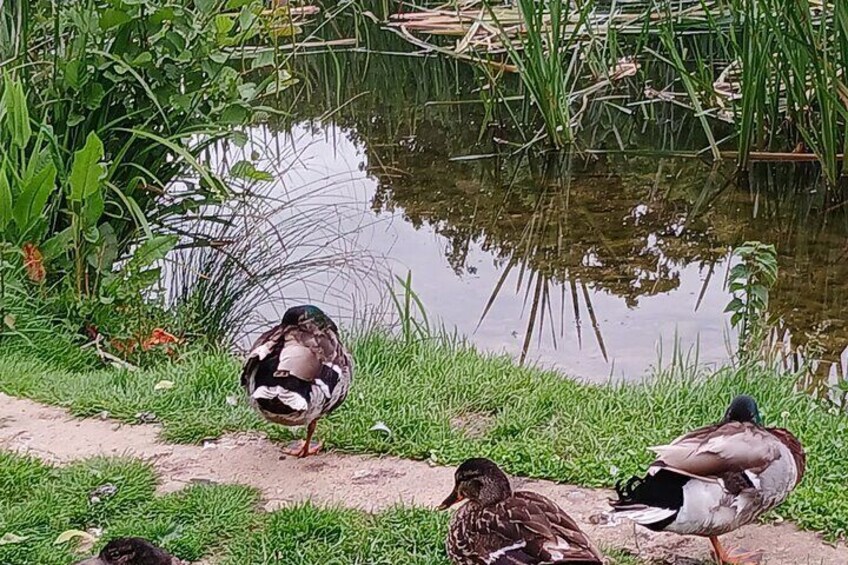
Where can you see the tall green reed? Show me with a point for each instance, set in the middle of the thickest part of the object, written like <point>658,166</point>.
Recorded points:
<point>551,60</point>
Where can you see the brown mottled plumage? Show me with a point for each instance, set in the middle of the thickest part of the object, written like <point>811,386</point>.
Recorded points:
<point>716,479</point>
<point>501,527</point>
<point>298,371</point>
<point>132,551</point>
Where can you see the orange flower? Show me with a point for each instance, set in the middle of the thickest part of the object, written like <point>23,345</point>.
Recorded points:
<point>33,263</point>
<point>158,337</point>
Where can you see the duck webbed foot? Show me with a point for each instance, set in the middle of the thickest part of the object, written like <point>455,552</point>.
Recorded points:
<point>304,448</point>
<point>734,556</point>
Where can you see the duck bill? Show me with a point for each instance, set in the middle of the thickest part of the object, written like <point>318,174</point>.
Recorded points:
<point>452,499</point>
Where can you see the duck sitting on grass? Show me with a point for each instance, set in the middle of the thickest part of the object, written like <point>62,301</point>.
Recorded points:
<point>132,551</point>
<point>501,527</point>
<point>297,372</point>
<point>716,479</point>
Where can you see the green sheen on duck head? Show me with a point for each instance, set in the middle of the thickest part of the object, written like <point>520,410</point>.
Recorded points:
<point>307,313</point>
<point>743,408</point>
<point>479,481</point>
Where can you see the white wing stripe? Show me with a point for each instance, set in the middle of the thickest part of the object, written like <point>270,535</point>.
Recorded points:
<point>495,555</point>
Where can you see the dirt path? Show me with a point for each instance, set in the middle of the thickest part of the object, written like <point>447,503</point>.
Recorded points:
<point>369,483</point>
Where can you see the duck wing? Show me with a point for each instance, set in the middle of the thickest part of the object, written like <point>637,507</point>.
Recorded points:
<point>528,528</point>
<point>718,450</point>
<point>296,368</point>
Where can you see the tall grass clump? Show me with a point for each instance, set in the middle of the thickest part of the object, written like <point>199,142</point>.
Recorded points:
<point>551,59</point>
<point>793,55</point>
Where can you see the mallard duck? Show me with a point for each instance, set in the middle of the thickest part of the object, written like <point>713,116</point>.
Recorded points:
<point>132,551</point>
<point>297,372</point>
<point>716,479</point>
<point>502,527</point>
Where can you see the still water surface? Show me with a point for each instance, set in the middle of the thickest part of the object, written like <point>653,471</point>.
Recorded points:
<point>599,267</point>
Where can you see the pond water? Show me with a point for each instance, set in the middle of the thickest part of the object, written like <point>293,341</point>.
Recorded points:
<point>601,264</point>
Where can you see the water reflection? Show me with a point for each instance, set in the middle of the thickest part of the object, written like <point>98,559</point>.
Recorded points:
<point>594,266</point>
<point>598,265</point>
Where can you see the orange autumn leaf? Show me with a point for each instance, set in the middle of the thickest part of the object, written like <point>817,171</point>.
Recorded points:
<point>158,337</point>
<point>33,263</point>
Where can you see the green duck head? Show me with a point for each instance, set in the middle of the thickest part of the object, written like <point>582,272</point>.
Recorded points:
<point>743,408</point>
<point>308,313</point>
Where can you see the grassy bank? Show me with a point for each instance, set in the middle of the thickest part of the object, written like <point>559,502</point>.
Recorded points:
<point>446,403</point>
<point>38,503</point>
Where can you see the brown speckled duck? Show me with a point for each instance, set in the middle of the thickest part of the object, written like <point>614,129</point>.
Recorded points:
<point>132,551</point>
<point>497,526</point>
<point>297,372</point>
<point>716,479</point>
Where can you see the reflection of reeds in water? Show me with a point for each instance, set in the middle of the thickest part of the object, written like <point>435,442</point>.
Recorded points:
<point>273,245</point>
<point>550,216</point>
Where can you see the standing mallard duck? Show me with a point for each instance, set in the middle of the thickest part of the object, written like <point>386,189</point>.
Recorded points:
<point>716,479</point>
<point>501,527</point>
<point>297,372</point>
<point>132,551</point>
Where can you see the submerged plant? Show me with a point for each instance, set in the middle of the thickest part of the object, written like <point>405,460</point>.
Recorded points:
<point>750,282</point>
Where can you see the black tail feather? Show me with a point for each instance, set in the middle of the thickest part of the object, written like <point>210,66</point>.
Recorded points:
<point>664,489</point>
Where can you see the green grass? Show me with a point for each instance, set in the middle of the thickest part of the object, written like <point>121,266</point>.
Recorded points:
<point>537,424</point>
<point>38,503</point>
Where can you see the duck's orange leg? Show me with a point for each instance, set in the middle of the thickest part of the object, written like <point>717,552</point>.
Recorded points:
<point>305,448</point>
<point>734,556</point>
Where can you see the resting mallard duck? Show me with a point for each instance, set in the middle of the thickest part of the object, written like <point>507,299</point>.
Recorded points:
<point>297,372</point>
<point>716,479</point>
<point>501,527</point>
<point>132,551</point>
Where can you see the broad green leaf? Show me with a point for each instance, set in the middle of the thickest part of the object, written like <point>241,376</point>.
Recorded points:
<point>206,5</point>
<point>734,305</point>
<point>58,244</point>
<point>92,95</point>
<point>91,234</point>
<point>112,17</point>
<point>33,198</point>
<point>5,200</point>
<point>87,171</point>
<point>760,293</point>
<point>153,250</point>
<point>147,278</point>
<point>223,24</point>
<point>16,113</point>
<point>106,252</point>
<point>92,209</point>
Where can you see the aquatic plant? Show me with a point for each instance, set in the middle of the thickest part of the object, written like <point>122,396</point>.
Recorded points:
<point>750,281</point>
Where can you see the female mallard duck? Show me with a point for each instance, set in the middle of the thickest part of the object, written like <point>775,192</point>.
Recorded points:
<point>297,372</point>
<point>132,551</point>
<point>716,479</point>
<point>501,527</point>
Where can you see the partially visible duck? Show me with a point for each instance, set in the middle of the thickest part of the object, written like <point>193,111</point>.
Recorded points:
<point>297,372</point>
<point>132,551</point>
<point>502,527</point>
<point>716,479</point>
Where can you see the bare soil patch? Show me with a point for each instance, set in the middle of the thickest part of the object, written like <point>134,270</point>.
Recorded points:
<point>365,482</point>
